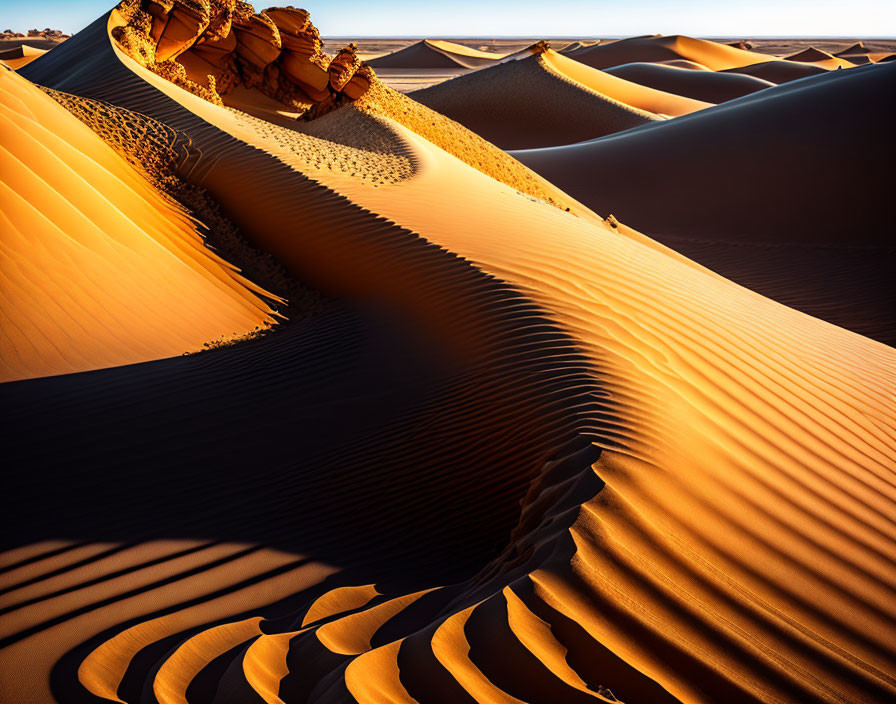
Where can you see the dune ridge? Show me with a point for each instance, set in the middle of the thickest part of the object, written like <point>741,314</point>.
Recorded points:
<point>789,243</point>
<point>544,460</point>
<point>86,287</point>
<point>709,86</point>
<point>713,55</point>
<point>435,53</point>
<point>544,99</point>
<point>21,55</point>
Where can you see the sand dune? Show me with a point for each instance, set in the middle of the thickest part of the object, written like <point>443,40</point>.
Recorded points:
<point>712,55</point>
<point>857,48</point>
<point>680,63</point>
<point>780,70</point>
<point>544,99</point>
<point>701,202</point>
<point>820,58</point>
<point>715,56</point>
<point>20,56</point>
<point>708,86</point>
<point>810,55</point>
<point>572,46</point>
<point>520,454</point>
<point>435,53</point>
<point>87,285</point>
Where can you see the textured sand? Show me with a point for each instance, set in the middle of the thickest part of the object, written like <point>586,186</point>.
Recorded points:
<point>748,191</point>
<point>89,284</point>
<point>547,99</point>
<point>518,454</point>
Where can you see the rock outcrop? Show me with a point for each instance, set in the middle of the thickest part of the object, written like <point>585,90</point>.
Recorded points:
<point>211,46</point>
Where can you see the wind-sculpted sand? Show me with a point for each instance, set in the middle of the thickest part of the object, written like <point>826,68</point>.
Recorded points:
<point>710,86</point>
<point>435,54</point>
<point>775,217</point>
<point>513,454</point>
<point>19,56</point>
<point>541,98</point>
<point>99,267</point>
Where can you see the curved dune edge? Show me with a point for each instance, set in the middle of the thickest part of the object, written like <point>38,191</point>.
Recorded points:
<point>715,56</point>
<point>710,86</point>
<point>723,535</point>
<point>21,55</point>
<point>435,53</point>
<point>708,54</point>
<point>100,268</point>
<point>784,239</point>
<point>642,97</point>
<point>573,102</point>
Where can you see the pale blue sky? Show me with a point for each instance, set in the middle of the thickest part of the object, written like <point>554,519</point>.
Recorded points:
<point>535,18</point>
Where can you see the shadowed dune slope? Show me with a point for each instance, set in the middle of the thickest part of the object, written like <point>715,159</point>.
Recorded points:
<point>652,49</point>
<point>99,268</point>
<point>681,63</point>
<point>817,57</point>
<point>21,55</point>
<point>727,186</point>
<point>716,57</point>
<point>435,53</point>
<point>852,49</point>
<point>709,86</point>
<point>779,70</point>
<point>576,45</point>
<point>545,460</point>
<point>547,99</point>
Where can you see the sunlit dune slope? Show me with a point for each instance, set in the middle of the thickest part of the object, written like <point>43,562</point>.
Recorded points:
<point>435,53</point>
<point>710,86</point>
<point>544,99</point>
<point>525,455</point>
<point>764,171</point>
<point>20,56</point>
<point>713,55</point>
<point>99,268</point>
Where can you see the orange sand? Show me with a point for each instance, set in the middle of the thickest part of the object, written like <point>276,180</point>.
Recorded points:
<point>526,454</point>
<point>99,268</point>
<point>21,55</point>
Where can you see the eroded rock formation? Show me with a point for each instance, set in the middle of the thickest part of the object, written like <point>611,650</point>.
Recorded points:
<point>211,46</point>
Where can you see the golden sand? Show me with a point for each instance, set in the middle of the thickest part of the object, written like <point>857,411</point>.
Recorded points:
<point>521,454</point>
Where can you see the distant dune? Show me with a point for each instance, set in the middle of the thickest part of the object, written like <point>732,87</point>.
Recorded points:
<point>515,452</point>
<point>545,99</point>
<point>713,55</point>
<point>19,56</point>
<point>751,172</point>
<point>708,86</point>
<point>780,71</point>
<point>433,53</point>
<point>817,57</point>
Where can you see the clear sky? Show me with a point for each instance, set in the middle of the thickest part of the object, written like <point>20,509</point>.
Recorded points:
<point>534,18</point>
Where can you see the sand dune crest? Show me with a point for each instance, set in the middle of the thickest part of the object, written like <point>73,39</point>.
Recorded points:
<point>516,454</point>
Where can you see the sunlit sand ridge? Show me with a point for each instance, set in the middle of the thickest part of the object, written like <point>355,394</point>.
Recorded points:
<point>541,98</point>
<point>99,267</point>
<point>520,454</point>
